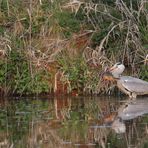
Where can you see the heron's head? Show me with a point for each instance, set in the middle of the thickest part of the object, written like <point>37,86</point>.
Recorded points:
<point>117,69</point>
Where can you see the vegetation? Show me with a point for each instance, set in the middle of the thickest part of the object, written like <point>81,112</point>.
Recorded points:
<point>78,39</point>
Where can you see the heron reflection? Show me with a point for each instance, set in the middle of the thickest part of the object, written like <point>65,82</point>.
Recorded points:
<point>128,111</point>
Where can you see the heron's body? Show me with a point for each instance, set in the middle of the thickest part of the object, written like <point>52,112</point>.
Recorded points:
<point>132,86</point>
<point>127,84</point>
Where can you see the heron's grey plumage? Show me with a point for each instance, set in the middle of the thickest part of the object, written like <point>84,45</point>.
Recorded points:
<point>132,86</point>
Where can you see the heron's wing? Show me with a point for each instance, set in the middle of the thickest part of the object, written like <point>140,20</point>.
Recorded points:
<point>134,84</point>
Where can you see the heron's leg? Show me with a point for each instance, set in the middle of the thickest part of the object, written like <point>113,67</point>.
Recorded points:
<point>130,95</point>
<point>134,95</point>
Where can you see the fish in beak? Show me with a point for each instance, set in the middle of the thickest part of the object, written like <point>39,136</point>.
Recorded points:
<point>108,76</point>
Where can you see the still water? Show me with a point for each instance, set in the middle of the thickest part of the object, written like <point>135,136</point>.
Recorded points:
<point>73,122</point>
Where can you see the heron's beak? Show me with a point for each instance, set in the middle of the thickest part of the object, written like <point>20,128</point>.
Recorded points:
<point>112,68</point>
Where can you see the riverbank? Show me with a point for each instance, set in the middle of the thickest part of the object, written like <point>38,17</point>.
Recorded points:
<point>62,47</point>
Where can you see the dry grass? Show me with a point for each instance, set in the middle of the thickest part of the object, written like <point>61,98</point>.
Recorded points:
<point>44,36</point>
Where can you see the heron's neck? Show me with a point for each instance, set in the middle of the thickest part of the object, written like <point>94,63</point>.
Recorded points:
<point>116,76</point>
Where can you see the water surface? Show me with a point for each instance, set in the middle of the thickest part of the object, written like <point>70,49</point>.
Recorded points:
<point>71,122</point>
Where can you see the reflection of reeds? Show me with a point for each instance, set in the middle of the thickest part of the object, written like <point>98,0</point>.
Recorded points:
<point>62,108</point>
<point>134,136</point>
<point>100,136</point>
<point>42,135</point>
<point>72,134</point>
<point>66,123</point>
<point>4,140</point>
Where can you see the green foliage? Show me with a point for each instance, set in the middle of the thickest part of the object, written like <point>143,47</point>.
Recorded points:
<point>145,145</point>
<point>2,72</point>
<point>16,117</point>
<point>144,34</point>
<point>97,37</point>
<point>113,141</point>
<point>40,82</point>
<point>144,72</point>
<point>2,30</point>
<point>122,26</point>
<point>68,22</point>
<point>75,70</point>
<point>16,74</point>
<point>3,6</point>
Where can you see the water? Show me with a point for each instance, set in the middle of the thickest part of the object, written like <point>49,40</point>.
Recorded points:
<point>71,122</point>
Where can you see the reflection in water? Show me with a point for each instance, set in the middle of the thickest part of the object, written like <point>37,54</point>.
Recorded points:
<point>133,109</point>
<point>118,125</point>
<point>129,110</point>
<point>67,122</point>
<point>62,108</point>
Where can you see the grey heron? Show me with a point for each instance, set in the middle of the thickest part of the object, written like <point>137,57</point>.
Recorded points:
<point>129,85</point>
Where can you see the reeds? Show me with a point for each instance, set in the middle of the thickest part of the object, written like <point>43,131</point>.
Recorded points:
<point>46,33</point>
